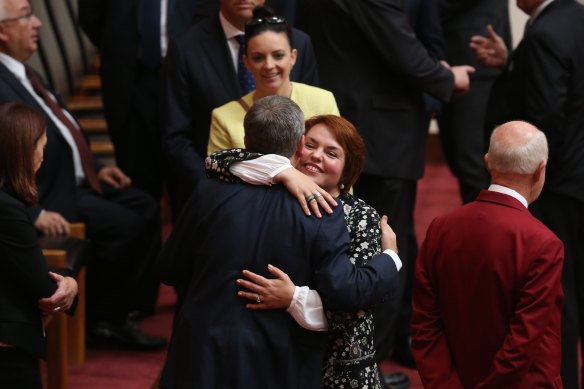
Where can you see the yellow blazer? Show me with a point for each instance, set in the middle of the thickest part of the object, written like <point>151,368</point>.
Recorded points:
<point>227,120</point>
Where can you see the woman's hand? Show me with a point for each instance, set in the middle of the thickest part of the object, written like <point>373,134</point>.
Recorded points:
<point>63,297</point>
<point>301,187</point>
<point>272,293</point>
<point>388,238</point>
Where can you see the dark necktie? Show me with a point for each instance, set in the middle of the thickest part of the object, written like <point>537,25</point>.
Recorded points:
<point>243,74</point>
<point>150,33</point>
<point>82,146</point>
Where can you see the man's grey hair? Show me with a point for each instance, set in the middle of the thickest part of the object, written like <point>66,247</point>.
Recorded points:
<point>523,154</point>
<point>274,125</point>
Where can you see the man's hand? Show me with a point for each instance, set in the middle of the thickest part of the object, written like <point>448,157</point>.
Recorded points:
<point>461,77</point>
<point>388,238</point>
<point>301,187</point>
<point>114,177</point>
<point>490,50</point>
<point>52,224</point>
<point>63,297</point>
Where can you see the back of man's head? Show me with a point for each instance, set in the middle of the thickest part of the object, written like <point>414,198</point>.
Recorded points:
<point>274,125</point>
<point>517,147</point>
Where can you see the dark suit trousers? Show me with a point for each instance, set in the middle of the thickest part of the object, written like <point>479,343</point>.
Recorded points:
<point>462,134</point>
<point>124,230</point>
<point>565,217</point>
<point>395,198</point>
<point>136,137</point>
<point>19,369</point>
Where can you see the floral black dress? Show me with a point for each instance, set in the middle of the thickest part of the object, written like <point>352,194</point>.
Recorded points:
<point>350,357</point>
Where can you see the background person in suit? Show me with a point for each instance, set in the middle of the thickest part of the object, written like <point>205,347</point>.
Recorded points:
<point>270,56</point>
<point>27,289</point>
<point>488,278</point>
<point>132,40</point>
<point>217,342</point>
<point>72,187</point>
<point>461,120</point>
<point>543,83</point>
<point>369,57</point>
<point>201,73</point>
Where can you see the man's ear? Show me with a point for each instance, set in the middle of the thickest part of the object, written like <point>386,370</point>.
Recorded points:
<point>540,171</point>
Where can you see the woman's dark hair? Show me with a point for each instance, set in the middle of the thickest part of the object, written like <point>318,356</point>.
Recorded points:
<point>350,140</point>
<point>263,20</point>
<point>21,126</point>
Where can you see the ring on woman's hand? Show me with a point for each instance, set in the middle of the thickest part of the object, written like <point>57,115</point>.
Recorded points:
<point>316,195</point>
<point>311,197</point>
<point>258,298</point>
<point>57,309</point>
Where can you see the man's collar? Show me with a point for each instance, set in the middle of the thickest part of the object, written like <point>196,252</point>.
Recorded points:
<point>229,29</point>
<point>16,67</point>
<point>537,11</point>
<point>509,192</point>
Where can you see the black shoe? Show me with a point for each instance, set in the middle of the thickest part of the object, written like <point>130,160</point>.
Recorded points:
<point>395,381</point>
<point>127,336</point>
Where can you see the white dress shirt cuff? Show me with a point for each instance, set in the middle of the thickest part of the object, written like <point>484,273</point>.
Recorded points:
<point>395,257</point>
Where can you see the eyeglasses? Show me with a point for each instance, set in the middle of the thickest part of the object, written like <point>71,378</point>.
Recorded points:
<point>26,17</point>
<point>267,20</point>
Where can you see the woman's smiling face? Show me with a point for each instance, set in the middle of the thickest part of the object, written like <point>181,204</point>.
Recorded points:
<point>270,59</point>
<point>322,158</point>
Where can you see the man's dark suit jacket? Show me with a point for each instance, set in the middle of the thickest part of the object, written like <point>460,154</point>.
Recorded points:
<point>23,279</point>
<point>544,85</point>
<point>199,77</point>
<point>369,57</point>
<point>225,228</point>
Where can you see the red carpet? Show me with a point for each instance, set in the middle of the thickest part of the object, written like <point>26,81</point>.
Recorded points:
<point>112,368</point>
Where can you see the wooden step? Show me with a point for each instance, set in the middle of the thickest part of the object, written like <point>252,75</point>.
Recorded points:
<point>93,125</point>
<point>80,104</point>
<point>102,148</point>
<point>90,85</point>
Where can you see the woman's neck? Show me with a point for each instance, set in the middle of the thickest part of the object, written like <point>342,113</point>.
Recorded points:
<point>285,90</point>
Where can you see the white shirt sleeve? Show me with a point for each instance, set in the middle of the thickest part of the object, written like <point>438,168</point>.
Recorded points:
<point>262,170</point>
<point>306,308</point>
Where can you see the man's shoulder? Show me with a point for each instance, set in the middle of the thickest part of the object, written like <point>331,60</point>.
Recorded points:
<point>196,34</point>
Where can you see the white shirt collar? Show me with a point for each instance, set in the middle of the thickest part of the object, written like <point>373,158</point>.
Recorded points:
<point>229,29</point>
<point>509,192</point>
<point>538,10</point>
<point>16,67</point>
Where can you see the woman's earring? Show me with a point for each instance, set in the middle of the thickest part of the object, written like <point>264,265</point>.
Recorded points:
<point>342,186</point>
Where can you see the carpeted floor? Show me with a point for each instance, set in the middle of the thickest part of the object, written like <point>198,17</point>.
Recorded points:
<point>111,368</point>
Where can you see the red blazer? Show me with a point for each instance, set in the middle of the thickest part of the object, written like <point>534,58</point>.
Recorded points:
<point>487,299</point>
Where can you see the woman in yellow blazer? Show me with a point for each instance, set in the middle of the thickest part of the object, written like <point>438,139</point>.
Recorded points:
<point>269,57</point>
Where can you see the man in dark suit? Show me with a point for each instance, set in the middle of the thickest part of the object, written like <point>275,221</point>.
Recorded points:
<point>369,57</point>
<point>543,83</point>
<point>72,188</point>
<point>200,75</point>
<point>131,77</point>
<point>225,228</point>
<point>461,120</point>
<point>487,293</point>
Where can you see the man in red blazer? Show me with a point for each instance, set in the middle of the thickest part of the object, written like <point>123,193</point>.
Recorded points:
<point>487,297</point>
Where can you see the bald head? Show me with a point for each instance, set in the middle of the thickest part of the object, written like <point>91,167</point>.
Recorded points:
<point>517,147</point>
